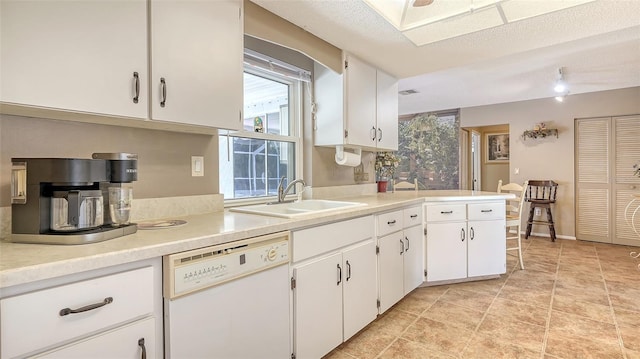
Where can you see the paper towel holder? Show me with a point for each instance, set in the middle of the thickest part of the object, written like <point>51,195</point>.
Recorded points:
<point>341,156</point>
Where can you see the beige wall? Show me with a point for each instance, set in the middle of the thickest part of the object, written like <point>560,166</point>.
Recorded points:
<point>551,158</point>
<point>164,165</point>
<point>491,173</point>
<point>267,26</point>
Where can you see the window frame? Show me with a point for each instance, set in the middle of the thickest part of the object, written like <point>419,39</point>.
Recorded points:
<point>295,137</point>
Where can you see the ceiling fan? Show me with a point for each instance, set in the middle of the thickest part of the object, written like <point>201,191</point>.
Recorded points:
<point>420,3</point>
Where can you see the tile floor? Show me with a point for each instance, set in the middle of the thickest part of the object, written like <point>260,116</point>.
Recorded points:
<point>573,300</point>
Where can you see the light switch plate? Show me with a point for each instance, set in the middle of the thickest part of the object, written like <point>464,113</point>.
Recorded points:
<point>197,166</point>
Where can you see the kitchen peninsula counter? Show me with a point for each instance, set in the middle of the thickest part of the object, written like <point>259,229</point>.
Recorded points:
<point>26,263</point>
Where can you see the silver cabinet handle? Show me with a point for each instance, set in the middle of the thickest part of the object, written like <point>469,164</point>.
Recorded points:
<point>392,222</point>
<point>462,235</point>
<point>407,239</point>
<point>472,233</point>
<point>401,244</point>
<point>446,212</point>
<point>486,210</point>
<point>339,275</point>
<point>163,90</point>
<point>348,271</point>
<point>379,134</point>
<point>414,216</point>
<point>373,133</point>
<point>136,87</point>
<point>86,308</point>
<point>144,349</point>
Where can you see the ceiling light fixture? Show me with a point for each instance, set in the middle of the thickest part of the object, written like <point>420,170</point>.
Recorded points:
<point>420,3</point>
<point>561,85</point>
<point>561,88</point>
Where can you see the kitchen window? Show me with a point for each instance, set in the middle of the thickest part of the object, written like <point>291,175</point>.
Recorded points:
<point>253,160</point>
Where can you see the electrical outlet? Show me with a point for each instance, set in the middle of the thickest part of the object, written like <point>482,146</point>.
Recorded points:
<point>197,166</point>
<point>537,212</point>
<point>359,175</point>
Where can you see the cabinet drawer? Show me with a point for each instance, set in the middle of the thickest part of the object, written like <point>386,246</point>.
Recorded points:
<point>412,216</point>
<point>314,241</point>
<point>37,315</point>
<point>489,210</point>
<point>445,212</point>
<point>389,222</point>
<point>123,343</point>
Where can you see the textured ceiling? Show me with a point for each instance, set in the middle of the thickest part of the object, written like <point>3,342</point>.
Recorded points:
<point>597,44</point>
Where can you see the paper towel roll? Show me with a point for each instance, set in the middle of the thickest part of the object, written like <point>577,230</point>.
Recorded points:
<point>348,159</point>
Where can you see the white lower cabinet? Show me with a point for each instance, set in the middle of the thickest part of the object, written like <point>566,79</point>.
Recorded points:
<point>401,255</point>
<point>413,258</point>
<point>486,248</point>
<point>110,313</point>
<point>465,240</point>
<point>446,251</point>
<point>359,287</point>
<point>334,295</point>
<point>133,341</point>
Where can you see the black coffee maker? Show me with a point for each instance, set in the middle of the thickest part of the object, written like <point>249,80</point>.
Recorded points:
<point>68,200</point>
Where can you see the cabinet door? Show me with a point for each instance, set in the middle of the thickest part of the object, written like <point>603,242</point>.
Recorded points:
<point>390,269</point>
<point>317,306</point>
<point>413,258</point>
<point>360,103</point>
<point>359,288</point>
<point>75,55</point>
<point>129,341</point>
<point>446,251</point>
<point>387,112</point>
<point>487,248</point>
<point>197,49</point>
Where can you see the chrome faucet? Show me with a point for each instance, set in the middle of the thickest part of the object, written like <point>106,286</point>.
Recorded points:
<point>282,193</point>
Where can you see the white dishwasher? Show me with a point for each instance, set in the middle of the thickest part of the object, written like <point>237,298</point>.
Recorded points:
<point>229,301</point>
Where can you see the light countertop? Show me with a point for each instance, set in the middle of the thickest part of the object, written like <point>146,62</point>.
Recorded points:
<point>25,263</point>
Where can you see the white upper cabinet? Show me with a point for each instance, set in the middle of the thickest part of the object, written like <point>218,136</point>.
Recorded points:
<point>93,57</point>
<point>358,108</point>
<point>387,111</point>
<point>87,56</point>
<point>360,99</point>
<point>196,62</point>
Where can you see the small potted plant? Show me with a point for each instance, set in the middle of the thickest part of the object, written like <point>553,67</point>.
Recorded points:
<point>386,164</point>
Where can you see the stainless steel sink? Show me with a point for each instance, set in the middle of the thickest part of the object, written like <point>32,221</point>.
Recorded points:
<point>295,209</point>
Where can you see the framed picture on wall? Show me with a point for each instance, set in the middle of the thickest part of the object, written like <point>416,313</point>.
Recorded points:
<point>497,147</point>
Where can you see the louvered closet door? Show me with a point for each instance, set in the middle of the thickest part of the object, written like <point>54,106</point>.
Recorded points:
<point>592,180</point>
<point>606,150</point>
<point>626,154</point>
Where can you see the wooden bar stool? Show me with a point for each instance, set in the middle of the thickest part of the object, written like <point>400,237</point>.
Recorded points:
<point>541,194</point>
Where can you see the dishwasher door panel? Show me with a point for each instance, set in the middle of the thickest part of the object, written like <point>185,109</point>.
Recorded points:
<point>243,319</point>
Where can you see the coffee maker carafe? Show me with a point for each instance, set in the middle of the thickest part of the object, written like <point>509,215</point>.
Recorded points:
<point>66,200</point>
<point>76,210</point>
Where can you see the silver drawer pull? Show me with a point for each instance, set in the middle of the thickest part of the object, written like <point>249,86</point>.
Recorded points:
<point>414,216</point>
<point>446,212</point>
<point>391,222</point>
<point>163,92</point>
<point>67,311</point>
<point>486,210</point>
<point>143,347</point>
<point>136,86</point>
